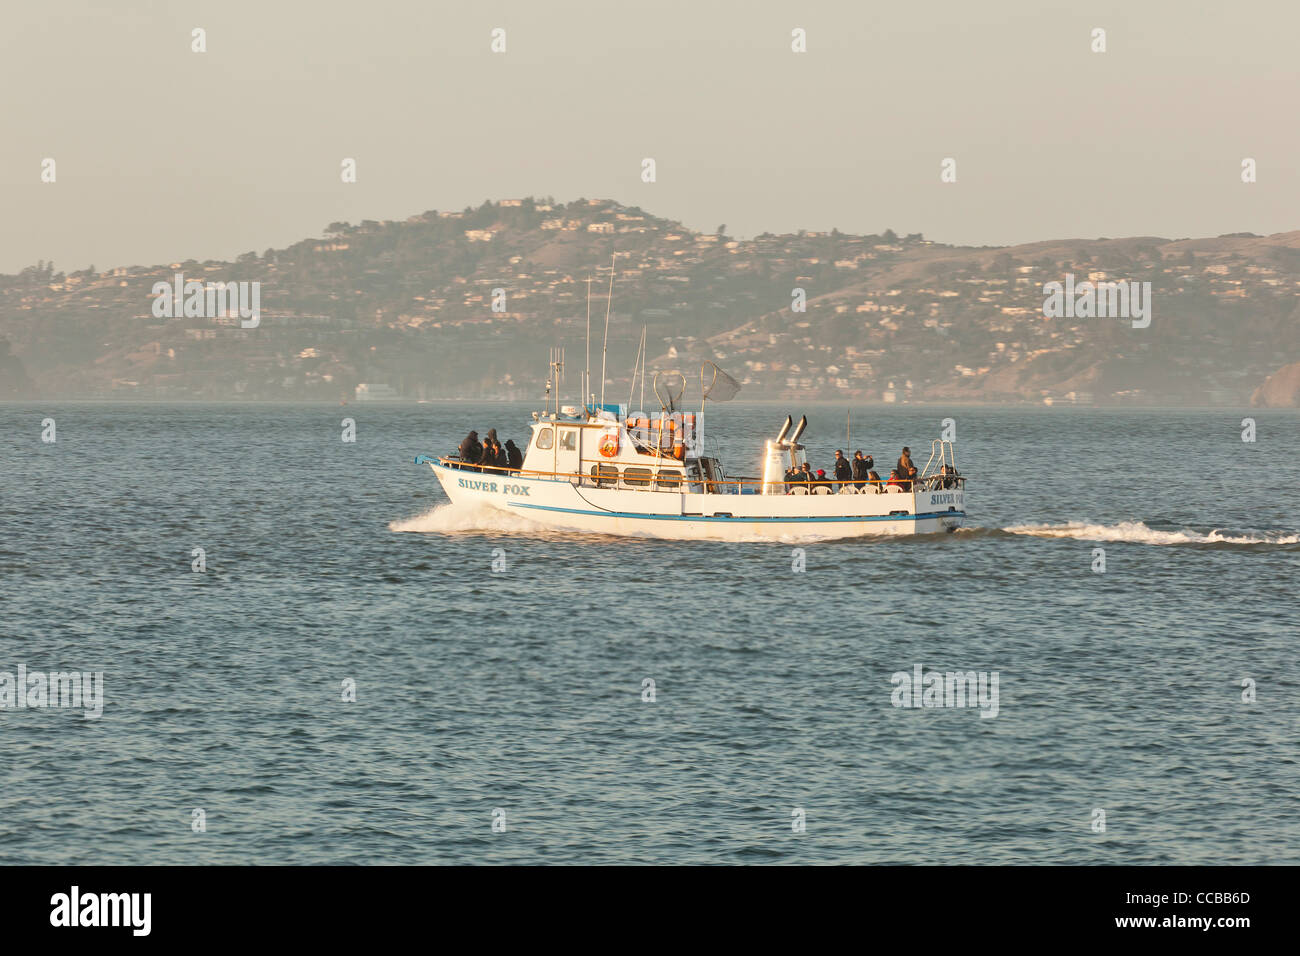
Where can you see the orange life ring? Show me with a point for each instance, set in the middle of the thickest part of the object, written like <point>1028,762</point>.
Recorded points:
<point>609,444</point>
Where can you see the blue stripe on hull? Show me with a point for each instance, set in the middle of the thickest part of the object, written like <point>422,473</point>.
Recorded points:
<point>789,520</point>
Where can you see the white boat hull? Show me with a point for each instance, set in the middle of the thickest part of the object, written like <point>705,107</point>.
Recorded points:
<point>693,515</point>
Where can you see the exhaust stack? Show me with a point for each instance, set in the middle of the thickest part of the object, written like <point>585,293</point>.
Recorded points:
<point>784,428</point>
<point>778,452</point>
<point>803,423</point>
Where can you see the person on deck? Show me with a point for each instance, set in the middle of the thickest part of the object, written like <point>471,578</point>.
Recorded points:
<point>861,469</point>
<point>514,457</point>
<point>470,450</point>
<point>806,477</point>
<point>906,470</point>
<point>843,470</point>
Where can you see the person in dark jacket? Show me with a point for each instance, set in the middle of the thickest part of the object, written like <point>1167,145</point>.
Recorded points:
<point>861,469</point>
<point>802,476</point>
<point>488,458</point>
<point>470,450</point>
<point>789,478</point>
<point>503,457</point>
<point>873,479</point>
<point>514,457</point>
<point>843,470</point>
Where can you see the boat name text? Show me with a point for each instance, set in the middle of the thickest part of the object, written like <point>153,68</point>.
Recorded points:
<point>521,490</point>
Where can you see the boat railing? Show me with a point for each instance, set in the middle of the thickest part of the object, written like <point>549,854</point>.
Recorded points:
<point>675,481</point>
<point>942,462</point>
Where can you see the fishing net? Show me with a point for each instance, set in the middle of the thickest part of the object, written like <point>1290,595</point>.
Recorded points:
<point>716,385</point>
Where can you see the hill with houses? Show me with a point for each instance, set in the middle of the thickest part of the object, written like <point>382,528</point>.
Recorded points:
<point>466,304</point>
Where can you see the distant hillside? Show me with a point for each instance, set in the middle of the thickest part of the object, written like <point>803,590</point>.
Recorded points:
<point>411,305</point>
<point>14,382</point>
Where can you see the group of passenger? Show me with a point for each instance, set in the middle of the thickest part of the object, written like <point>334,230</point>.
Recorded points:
<point>490,454</point>
<point>859,473</point>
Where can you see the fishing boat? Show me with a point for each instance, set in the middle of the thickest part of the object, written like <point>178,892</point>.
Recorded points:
<point>597,467</point>
<point>603,470</point>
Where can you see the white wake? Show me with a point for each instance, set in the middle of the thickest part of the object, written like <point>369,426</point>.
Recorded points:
<point>1139,533</point>
<point>457,519</point>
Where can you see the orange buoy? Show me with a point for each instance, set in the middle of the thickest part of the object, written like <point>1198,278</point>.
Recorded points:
<point>609,444</point>
<point>676,448</point>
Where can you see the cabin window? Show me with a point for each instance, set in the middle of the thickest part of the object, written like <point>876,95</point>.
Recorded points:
<point>669,480</point>
<point>569,439</point>
<point>604,474</point>
<point>545,438</point>
<point>637,477</point>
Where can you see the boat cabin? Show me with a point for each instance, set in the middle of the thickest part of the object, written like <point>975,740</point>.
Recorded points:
<point>607,448</point>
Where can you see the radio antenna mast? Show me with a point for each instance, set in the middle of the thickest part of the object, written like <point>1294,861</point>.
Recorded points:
<point>546,398</point>
<point>586,375</point>
<point>554,373</point>
<point>639,363</point>
<point>605,348</point>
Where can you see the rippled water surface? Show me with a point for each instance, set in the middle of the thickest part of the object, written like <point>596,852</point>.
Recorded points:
<point>521,691</point>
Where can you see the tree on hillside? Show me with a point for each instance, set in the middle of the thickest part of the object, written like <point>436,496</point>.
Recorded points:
<point>1000,263</point>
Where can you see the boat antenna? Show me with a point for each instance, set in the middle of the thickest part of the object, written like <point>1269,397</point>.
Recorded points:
<point>632,386</point>
<point>554,369</point>
<point>605,348</point>
<point>546,396</point>
<point>643,361</point>
<point>586,375</point>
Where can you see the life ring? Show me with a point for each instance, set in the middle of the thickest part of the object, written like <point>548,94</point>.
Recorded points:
<point>609,444</point>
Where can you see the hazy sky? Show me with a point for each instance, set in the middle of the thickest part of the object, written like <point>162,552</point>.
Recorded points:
<point>163,154</point>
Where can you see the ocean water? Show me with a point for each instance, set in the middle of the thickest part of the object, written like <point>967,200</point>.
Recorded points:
<point>517,694</point>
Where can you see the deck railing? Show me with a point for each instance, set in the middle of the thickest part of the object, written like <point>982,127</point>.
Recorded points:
<point>677,482</point>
